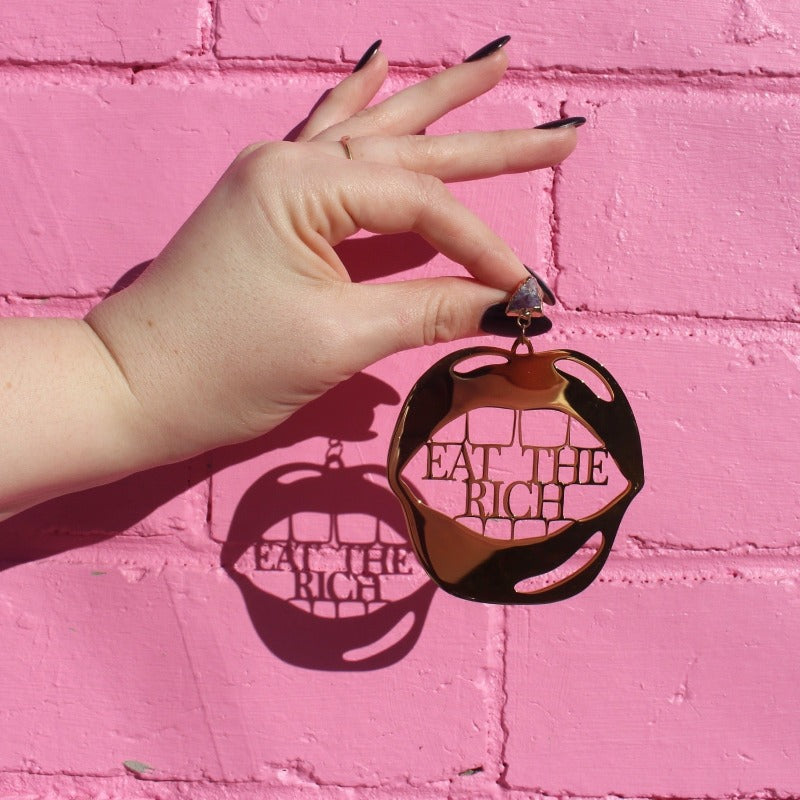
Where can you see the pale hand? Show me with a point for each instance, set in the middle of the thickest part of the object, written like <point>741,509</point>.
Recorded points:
<point>205,348</point>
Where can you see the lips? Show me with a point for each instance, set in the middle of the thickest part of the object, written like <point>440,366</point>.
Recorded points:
<point>476,566</point>
<point>324,568</point>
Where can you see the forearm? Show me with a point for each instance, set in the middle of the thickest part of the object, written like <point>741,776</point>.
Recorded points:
<point>69,420</point>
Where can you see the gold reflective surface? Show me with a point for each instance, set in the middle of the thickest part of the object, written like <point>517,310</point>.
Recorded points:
<point>477,567</point>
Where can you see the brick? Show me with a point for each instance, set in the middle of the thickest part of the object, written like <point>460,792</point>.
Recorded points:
<point>168,670</point>
<point>644,692</point>
<point>97,645</point>
<point>715,417</point>
<point>88,201</point>
<point>85,202</point>
<point>109,31</point>
<point>748,35</point>
<point>146,519</point>
<point>687,199</point>
<point>248,30</point>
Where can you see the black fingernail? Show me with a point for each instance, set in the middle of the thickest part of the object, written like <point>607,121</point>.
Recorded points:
<point>548,295</point>
<point>371,50</point>
<point>566,122</point>
<point>495,321</point>
<point>488,49</point>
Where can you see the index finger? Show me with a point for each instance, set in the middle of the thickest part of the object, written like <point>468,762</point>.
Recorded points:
<point>385,199</point>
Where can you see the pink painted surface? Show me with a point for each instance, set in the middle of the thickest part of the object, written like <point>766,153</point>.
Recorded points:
<point>108,31</point>
<point>692,162</point>
<point>155,149</point>
<point>707,706</point>
<point>160,620</point>
<point>736,36</point>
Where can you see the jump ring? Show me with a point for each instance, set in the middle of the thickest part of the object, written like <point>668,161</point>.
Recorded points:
<point>344,140</point>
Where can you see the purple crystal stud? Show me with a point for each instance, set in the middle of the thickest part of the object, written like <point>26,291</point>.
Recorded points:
<point>547,293</point>
<point>526,300</point>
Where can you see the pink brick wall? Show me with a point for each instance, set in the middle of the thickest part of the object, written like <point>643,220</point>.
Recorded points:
<point>141,621</point>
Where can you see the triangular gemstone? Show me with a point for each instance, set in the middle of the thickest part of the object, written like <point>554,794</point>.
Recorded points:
<point>527,299</point>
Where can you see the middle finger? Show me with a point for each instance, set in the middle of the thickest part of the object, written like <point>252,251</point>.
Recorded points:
<point>413,109</point>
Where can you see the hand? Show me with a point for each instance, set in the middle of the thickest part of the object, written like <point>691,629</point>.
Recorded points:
<point>248,313</point>
<point>212,338</point>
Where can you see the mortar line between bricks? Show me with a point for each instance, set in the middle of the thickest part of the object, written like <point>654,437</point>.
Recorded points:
<point>650,78</point>
<point>574,312</point>
<point>116,775</point>
<point>210,506</point>
<point>492,767</point>
<point>38,298</point>
<point>378,792</point>
<point>642,573</point>
<point>764,793</point>
<point>742,550</point>
<point>419,790</point>
<point>212,7</point>
<point>502,780</point>
<point>639,553</point>
<point>209,63</point>
<point>313,65</point>
<point>679,316</point>
<point>40,773</point>
<point>425,790</point>
<point>555,219</point>
<point>653,569</point>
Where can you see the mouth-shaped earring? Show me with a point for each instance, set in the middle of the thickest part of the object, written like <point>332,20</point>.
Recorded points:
<point>518,524</point>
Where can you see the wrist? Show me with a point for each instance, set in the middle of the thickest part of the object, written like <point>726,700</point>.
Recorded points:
<point>167,368</point>
<point>67,397</point>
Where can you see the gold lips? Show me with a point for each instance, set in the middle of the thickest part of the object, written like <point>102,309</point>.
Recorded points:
<point>477,567</point>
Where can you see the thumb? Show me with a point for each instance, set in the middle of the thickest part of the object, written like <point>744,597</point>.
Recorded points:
<point>388,317</point>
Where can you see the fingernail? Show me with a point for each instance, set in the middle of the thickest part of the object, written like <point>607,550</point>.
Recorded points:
<point>566,122</point>
<point>548,296</point>
<point>495,321</point>
<point>371,50</point>
<point>488,49</point>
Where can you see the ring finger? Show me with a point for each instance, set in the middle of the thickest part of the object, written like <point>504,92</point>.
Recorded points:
<point>462,156</point>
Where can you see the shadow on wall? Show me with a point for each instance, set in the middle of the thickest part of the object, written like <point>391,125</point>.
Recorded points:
<point>319,551</point>
<point>323,561</point>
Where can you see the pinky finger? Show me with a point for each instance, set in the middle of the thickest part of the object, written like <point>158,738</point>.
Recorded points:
<point>348,97</point>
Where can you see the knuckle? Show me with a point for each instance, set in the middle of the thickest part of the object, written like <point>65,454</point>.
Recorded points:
<point>481,252</point>
<point>405,153</point>
<point>333,95</point>
<point>245,152</point>
<point>413,151</point>
<point>431,194</point>
<point>372,114</point>
<point>253,167</point>
<point>442,321</point>
<point>332,338</point>
<point>431,188</point>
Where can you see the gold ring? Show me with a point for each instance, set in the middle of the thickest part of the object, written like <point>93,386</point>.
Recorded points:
<point>344,140</point>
